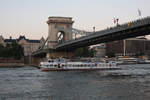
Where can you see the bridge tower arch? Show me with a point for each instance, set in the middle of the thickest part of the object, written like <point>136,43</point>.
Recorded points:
<point>57,27</point>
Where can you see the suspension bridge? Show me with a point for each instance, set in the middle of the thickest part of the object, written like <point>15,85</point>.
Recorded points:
<point>63,39</point>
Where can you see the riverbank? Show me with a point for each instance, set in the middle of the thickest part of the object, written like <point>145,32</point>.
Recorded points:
<point>131,63</point>
<point>14,65</point>
<point>34,65</point>
<point>11,65</point>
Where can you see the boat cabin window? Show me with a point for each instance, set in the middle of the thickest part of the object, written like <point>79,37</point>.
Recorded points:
<point>63,65</point>
<point>55,65</point>
<point>49,60</point>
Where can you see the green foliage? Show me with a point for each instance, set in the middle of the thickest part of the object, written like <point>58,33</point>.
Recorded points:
<point>139,54</point>
<point>1,49</point>
<point>110,54</point>
<point>11,50</point>
<point>84,52</point>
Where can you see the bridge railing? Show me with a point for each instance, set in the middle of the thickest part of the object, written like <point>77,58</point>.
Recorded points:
<point>125,25</point>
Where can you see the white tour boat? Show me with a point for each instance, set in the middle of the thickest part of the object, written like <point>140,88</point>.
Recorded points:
<point>53,65</point>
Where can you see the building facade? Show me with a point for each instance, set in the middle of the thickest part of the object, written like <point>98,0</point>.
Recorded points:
<point>129,47</point>
<point>28,44</point>
<point>100,50</point>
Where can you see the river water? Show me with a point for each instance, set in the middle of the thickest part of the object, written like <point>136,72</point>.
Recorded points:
<point>132,82</point>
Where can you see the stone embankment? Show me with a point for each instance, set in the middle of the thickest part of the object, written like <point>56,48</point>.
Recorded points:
<point>11,64</point>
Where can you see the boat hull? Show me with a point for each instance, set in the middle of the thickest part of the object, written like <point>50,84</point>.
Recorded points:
<point>85,69</point>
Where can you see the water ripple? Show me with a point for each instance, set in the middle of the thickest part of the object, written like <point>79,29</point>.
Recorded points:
<point>132,82</point>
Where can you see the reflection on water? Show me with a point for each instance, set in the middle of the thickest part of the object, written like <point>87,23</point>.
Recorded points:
<point>132,82</point>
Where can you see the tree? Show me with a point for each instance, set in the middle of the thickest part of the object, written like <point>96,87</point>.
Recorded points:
<point>12,50</point>
<point>17,50</point>
<point>1,49</point>
<point>110,54</point>
<point>84,52</point>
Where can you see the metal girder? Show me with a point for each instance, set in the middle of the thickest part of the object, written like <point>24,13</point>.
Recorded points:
<point>108,38</point>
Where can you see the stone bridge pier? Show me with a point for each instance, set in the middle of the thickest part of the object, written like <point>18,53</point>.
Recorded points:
<point>57,33</point>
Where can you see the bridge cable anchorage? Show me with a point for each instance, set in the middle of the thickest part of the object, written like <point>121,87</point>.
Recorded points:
<point>70,30</point>
<point>77,33</point>
<point>44,44</point>
<point>80,32</point>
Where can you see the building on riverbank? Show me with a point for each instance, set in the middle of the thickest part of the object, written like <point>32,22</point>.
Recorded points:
<point>100,50</point>
<point>29,45</point>
<point>129,47</point>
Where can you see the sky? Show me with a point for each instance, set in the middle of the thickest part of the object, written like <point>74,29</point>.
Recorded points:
<point>28,17</point>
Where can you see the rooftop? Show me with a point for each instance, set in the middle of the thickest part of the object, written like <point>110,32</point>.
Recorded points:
<point>20,38</point>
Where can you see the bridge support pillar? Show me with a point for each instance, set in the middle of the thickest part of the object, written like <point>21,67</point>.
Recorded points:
<point>35,61</point>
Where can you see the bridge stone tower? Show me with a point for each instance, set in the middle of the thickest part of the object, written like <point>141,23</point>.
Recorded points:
<point>57,30</point>
<point>57,33</point>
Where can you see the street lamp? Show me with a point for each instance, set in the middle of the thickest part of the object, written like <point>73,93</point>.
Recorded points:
<point>117,21</point>
<point>94,29</point>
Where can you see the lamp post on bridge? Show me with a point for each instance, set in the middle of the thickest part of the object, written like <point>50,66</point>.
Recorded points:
<point>117,21</point>
<point>124,47</point>
<point>94,29</point>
